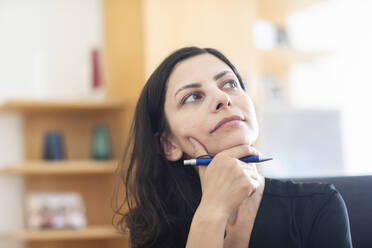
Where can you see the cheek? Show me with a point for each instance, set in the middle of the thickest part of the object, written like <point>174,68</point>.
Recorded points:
<point>185,125</point>
<point>247,106</point>
<point>249,109</point>
<point>182,129</point>
<point>191,127</point>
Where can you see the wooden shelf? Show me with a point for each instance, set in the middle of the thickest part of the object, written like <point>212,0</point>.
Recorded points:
<point>289,56</point>
<point>65,105</point>
<point>88,233</point>
<point>277,10</point>
<point>62,167</point>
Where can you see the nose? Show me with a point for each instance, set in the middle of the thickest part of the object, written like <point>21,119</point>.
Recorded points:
<point>221,100</point>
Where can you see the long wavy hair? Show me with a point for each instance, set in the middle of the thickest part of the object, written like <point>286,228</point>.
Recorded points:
<point>160,197</point>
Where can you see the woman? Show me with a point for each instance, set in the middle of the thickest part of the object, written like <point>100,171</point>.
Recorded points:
<point>195,104</point>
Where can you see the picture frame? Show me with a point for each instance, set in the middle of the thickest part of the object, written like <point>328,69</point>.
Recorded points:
<point>55,210</point>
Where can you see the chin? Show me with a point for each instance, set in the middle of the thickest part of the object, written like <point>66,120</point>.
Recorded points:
<point>234,139</point>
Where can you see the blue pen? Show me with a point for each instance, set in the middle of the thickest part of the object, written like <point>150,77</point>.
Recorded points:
<point>206,161</point>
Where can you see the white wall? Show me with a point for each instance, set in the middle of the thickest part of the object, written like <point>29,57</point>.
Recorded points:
<point>45,50</point>
<point>47,43</point>
<point>342,80</point>
<point>11,151</point>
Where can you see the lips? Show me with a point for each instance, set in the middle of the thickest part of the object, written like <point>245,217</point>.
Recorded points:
<point>225,120</point>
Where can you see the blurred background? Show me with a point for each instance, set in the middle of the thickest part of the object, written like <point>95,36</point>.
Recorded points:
<point>73,69</point>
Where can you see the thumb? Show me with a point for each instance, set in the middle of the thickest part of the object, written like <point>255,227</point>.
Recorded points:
<point>199,149</point>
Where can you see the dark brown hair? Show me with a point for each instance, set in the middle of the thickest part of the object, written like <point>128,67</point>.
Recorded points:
<point>160,196</point>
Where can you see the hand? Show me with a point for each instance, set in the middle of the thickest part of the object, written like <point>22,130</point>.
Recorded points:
<point>226,181</point>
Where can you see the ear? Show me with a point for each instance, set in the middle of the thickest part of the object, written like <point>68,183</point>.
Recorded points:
<point>172,150</point>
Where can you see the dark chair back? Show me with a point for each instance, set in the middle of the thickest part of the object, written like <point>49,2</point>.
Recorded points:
<point>357,194</point>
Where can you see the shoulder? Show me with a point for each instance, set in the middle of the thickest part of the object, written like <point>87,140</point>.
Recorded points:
<point>292,189</point>
<point>313,208</point>
<point>306,200</point>
<point>312,204</point>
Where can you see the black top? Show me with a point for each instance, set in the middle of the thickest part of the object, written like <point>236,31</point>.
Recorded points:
<point>306,215</point>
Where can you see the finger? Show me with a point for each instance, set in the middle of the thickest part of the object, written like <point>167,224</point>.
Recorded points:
<point>250,169</point>
<point>199,149</point>
<point>257,152</point>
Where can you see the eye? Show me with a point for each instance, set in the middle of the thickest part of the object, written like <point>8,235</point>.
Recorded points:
<point>191,97</point>
<point>230,84</point>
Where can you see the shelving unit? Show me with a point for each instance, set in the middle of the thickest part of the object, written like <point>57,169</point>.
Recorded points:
<point>288,56</point>
<point>92,179</point>
<point>277,11</point>
<point>89,233</point>
<point>277,62</point>
<point>25,105</point>
<point>69,167</point>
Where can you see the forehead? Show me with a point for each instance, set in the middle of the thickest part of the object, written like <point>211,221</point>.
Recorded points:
<point>195,69</point>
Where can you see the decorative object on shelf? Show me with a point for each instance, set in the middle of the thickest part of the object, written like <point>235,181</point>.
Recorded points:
<point>282,37</point>
<point>273,90</point>
<point>101,143</point>
<point>97,90</point>
<point>269,36</point>
<point>55,210</point>
<point>53,146</point>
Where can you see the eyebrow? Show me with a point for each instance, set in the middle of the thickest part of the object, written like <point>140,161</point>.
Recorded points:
<point>198,85</point>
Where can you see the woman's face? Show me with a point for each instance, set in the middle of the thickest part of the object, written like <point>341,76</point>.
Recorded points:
<point>201,92</point>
